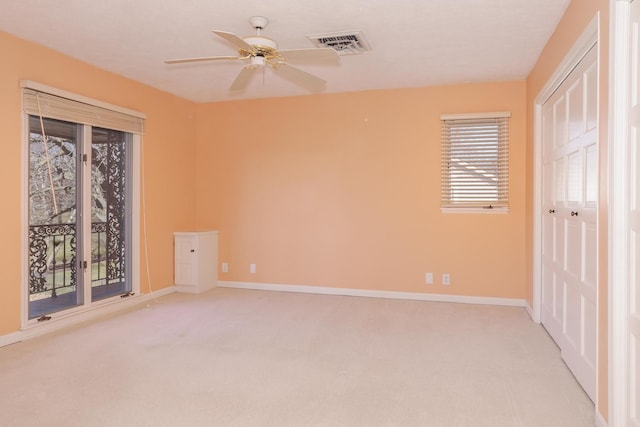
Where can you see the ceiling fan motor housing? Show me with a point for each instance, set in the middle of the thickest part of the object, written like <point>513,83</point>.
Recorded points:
<point>264,47</point>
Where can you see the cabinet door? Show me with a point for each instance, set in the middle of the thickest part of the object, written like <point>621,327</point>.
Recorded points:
<point>185,260</point>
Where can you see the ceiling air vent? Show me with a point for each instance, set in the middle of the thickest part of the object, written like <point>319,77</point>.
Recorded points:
<point>344,42</point>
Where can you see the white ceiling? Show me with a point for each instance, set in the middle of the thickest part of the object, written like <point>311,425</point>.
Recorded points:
<point>413,42</point>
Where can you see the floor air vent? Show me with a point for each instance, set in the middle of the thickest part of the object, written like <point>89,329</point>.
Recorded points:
<point>345,42</point>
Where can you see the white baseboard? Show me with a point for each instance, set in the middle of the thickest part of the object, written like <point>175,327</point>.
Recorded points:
<point>529,310</point>
<point>600,421</point>
<point>189,289</point>
<point>57,323</point>
<point>513,302</point>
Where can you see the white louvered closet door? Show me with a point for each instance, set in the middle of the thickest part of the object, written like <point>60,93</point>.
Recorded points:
<point>569,202</point>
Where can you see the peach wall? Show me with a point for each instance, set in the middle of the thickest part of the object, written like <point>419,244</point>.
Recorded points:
<point>573,23</point>
<point>168,150</point>
<point>343,190</point>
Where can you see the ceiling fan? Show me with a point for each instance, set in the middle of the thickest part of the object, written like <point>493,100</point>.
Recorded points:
<point>262,51</point>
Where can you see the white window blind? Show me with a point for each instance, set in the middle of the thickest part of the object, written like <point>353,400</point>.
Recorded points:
<point>60,105</point>
<point>475,161</point>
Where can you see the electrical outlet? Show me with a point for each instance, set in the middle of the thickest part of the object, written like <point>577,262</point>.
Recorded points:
<point>225,267</point>
<point>446,280</point>
<point>252,268</point>
<point>428,278</point>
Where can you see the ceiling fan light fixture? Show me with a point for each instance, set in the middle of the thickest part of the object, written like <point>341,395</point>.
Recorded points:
<point>257,61</point>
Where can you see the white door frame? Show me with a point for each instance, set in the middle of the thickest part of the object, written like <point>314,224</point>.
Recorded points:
<point>581,47</point>
<point>589,38</point>
<point>618,250</point>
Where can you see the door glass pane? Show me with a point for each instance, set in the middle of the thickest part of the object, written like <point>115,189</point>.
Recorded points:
<point>109,267</point>
<point>54,284</point>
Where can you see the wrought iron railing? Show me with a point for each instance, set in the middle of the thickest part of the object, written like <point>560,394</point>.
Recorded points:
<point>53,263</point>
<point>52,259</point>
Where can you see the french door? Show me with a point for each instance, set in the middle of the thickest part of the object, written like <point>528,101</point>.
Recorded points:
<point>79,215</point>
<point>569,233</point>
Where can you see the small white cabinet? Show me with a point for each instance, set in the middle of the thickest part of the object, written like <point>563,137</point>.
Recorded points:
<point>196,261</point>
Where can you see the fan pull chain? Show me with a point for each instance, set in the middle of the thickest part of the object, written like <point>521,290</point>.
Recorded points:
<point>48,157</point>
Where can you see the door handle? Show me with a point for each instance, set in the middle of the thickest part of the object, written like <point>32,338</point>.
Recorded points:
<point>193,250</point>
<point>574,213</point>
<point>552,211</point>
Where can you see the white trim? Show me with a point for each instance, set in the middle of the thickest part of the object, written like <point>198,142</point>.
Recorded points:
<point>530,312</point>
<point>83,251</point>
<point>135,213</point>
<point>190,289</point>
<point>536,310</point>
<point>600,420</point>
<point>580,48</point>
<point>618,250</point>
<point>24,226</point>
<point>28,84</point>
<point>501,210</point>
<point>64,321</point>
<point>471,116</point>
<point>462,299</point>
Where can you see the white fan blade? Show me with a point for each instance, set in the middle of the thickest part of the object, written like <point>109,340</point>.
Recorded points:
<point>235,40</point>
<point>202,59</point>
<point>296,75</point>
<point>243,77</point>
<point>323,54</point>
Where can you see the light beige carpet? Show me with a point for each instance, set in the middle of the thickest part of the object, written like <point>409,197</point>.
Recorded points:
<point>254,358</point>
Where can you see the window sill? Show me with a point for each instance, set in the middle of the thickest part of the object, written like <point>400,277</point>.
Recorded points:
<point>492,211</point>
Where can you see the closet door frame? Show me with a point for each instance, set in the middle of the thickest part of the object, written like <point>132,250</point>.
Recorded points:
<point>588,40</point>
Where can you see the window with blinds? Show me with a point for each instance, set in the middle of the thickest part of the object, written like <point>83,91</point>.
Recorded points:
<point>475,161</point>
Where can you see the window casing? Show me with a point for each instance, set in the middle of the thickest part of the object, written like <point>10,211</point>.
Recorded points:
<point>82,184</point>
<point>475,162</point>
